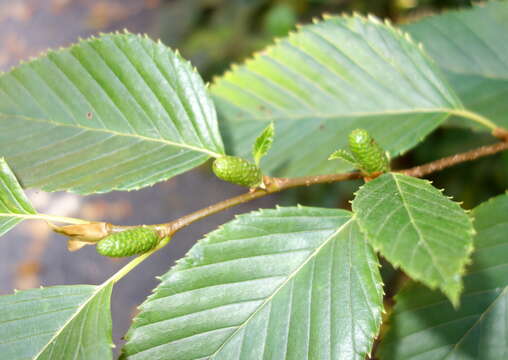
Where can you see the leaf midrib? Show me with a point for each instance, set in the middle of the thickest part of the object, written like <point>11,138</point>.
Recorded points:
<point>448,111</point>
<point>113,132</point>
<point>472,73</point>
<point>282,285</point>
<point>22,216</point>
<point>46,217</point>
<point>74,315</point>
<point>418,231</point>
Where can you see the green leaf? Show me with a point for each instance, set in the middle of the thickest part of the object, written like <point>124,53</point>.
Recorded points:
<point>470,47</point>
<point>325,80</point>
<point>13,202</point>
<point>263,143</point>
<point>425,327</point>
<point>118,112</point>
<point>59,322</point>
<point>415,227</point>
<point>344,155</point>
<point>289,283</point>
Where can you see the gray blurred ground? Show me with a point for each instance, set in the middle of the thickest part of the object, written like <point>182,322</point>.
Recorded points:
<point>30,255</point>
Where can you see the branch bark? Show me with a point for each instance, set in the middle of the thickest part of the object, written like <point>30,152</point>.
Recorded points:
<point>274,184</point>
<point>438,165</point>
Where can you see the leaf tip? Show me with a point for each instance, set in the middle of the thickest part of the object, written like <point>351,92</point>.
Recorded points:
<point>455,300</point>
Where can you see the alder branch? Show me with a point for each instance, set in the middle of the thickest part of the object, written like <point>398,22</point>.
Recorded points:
<point>438,165</point>
<point>274,185</point>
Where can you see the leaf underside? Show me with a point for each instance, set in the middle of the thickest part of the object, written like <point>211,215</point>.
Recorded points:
<point>13,201</point>
<point>471,48</point>
<point>325,80</point>
<point>289,283</point>
<point>60,322</point>
<point>425,327</point>
<point>417,228</point>
<point>118,112</point>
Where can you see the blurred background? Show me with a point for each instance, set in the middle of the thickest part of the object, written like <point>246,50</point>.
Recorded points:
<point>212,34</point>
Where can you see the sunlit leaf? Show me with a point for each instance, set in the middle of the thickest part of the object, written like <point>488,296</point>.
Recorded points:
<point>325,80</point>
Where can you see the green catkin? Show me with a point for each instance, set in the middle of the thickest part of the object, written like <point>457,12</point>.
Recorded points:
<point>238,171</point>
<point>128,242</point>
<point>370,157</point>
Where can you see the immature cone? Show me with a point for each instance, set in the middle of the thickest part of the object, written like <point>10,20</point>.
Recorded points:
<point>238,171</point>
<point>368,154</point>
<point>128,242</point>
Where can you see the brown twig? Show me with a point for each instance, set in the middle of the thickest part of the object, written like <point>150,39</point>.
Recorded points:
<point>274,185</point>
<point>500,133</point>
<point>438,165</point>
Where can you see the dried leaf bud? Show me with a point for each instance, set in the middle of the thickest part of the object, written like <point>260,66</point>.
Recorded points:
<point>90,233</point>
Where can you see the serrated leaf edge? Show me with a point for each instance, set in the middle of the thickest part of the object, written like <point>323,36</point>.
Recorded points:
<point>124,34</point>
<point>370,18</point>
<point>74,315</point>
<point>181,263</point>
<point>431,284</point>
